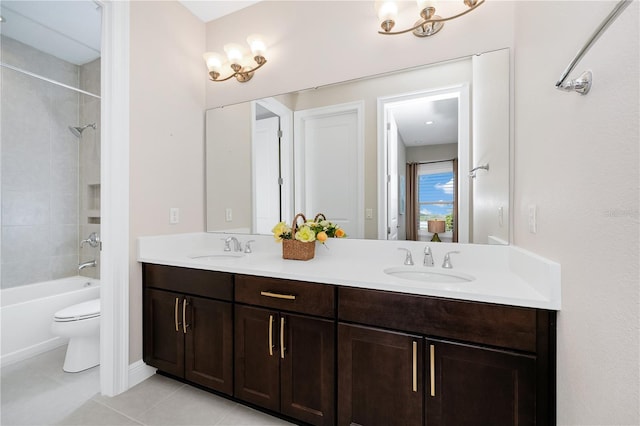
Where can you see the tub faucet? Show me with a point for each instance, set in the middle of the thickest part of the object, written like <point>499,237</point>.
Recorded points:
<point>89,264</point>
<point>93,240</point>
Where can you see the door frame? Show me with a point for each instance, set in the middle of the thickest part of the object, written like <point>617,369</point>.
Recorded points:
<point>462,92</point>
<point>114,133</point>
<point>286,157</point>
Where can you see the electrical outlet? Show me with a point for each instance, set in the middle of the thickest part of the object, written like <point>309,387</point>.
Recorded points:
<point>174,215</point>
<point>533,218</point>
<point>228,214</point>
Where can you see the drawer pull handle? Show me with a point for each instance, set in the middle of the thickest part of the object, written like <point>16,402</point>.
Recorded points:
<point>282,348</point>
<point>415,366</point>
<point>175,314</point>
<point>271,335</point>
<point>277,295</point>
<point>432,369</point>
<point>184,316</point>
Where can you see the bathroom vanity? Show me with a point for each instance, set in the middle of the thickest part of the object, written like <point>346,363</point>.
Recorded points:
<point>324,352</point>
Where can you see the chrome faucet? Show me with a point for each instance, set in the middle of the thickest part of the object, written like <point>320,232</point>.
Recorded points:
<point>447,260</point>
<point>408,260</point>
<point>89,264</point>
<point>237,246</point>
<point>428,257</point>
<point>93,240</point>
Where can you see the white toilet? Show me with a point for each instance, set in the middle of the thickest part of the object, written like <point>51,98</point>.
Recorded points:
<point>81,324</point>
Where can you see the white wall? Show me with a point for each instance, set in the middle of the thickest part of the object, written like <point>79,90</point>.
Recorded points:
<point>167,132</point>
<point>576,158</point>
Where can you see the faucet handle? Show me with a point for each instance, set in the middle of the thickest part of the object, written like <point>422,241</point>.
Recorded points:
<point>247,247</point>
<point>227,247</point>
<point>428,257</point>
<point>447,260</point>
<point>408,260</point>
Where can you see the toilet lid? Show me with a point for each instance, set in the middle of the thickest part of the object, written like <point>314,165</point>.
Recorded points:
<point>84,310</point>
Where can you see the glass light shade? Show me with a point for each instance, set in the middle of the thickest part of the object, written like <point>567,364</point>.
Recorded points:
<point>256,43</point>
<point>387,10</point>
<point>214,61</point>
<point>423,4</point>
<point>234,53</point>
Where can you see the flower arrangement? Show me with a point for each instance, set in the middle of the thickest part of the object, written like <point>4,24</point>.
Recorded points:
<point>318,229</point>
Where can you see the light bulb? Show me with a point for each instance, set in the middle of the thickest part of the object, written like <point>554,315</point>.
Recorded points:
<point>214,61</point>
<point>257,45</point>
<point>234,53</point>
<point>387,10</point>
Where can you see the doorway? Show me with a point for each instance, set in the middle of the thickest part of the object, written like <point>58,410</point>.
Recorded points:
<point>420,127</point>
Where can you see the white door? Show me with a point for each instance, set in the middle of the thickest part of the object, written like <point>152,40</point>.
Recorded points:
<point>392,179</point>
<point>329,171</point>
<point>267,194</point>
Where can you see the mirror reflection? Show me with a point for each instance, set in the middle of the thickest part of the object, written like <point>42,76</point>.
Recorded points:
<point>387,157</point>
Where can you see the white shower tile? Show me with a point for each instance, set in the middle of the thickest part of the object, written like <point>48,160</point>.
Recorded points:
<point>26,271</point>
<point>64,240</point>
<point>63,266</point>
<point>64,208</point>
<point>25,208</point>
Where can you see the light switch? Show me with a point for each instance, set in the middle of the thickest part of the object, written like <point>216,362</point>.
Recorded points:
<point>368,213</point>
<point>174,215</point>
<point>228,214</point>
<point>533,218</point>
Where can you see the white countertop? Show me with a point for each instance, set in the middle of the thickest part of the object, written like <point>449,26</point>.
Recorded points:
<point>505,275</point>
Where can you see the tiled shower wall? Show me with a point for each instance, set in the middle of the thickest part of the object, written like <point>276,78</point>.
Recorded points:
<point>40,165</point>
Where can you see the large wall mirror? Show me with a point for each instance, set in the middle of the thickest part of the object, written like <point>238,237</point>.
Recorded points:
<point>404,155</point>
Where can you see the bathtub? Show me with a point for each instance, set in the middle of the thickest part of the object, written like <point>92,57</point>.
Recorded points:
<point>26,313</point>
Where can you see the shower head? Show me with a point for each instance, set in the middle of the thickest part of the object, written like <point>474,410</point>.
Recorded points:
<point>77,131</point>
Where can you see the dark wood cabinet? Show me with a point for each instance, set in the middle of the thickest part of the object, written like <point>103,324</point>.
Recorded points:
<point>322,354</point>
<point>471,385</point>
<point>483,364</point>
<point>185,335</point>
<point>381,377</point>
<point>284,361</point>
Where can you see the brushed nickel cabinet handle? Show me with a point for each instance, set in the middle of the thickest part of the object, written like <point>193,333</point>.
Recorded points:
<point>282,348</point>
<point>271,335</point>
<point>175,313</point>
<point>184,315</point>
<point>432,369</point>
<point>278,295</point>
<point>415,366</point>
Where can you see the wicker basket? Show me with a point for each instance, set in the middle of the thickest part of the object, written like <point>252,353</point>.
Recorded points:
<point>297,250</point>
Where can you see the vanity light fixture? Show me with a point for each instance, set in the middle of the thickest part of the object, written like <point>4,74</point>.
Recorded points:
<point>428,25</point>
<point>236,60</point>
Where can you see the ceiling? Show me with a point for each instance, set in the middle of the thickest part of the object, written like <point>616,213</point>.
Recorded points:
<point>427,121</point>
<point>71,29</point>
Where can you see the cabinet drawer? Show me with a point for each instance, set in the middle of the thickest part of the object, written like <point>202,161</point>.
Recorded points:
<point>484,323</point>
<point>198,282</point>
<point>286,295</point>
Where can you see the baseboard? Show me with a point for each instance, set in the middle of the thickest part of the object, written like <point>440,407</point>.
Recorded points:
<point>31,351</point>
<point>139,372</point>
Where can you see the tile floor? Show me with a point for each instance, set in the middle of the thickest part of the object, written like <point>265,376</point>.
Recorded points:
<point>38,392</point>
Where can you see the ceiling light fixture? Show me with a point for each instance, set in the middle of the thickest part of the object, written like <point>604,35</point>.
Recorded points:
<point>428,25</point>
<point>236,60</point>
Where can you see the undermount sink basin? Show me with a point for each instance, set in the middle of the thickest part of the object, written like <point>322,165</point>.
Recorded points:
<point>428,275</point>
<point>218,255</point>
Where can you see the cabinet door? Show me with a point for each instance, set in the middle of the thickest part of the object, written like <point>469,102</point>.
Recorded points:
<point>257,359</point>
<point>209,343</point>
<point>307,368</point>
<point>379,377</point>
<point>163,336</point>
<point>470,385</point>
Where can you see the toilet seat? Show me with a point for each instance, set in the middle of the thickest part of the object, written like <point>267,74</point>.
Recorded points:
<point>81,311</point>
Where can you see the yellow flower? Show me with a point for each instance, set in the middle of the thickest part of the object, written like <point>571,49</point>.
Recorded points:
<point>340,233</point>
<point>279,229</point>
<point>322,236</point>
<point>305,234</point>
